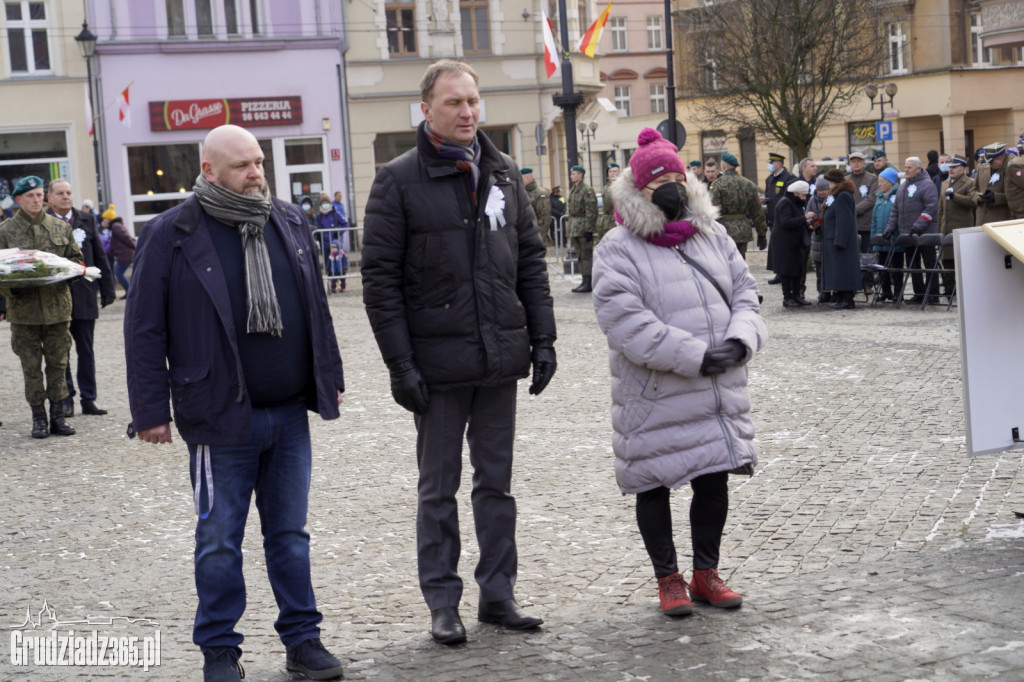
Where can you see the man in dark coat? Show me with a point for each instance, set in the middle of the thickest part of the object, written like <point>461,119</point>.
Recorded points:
<point>227,320</point>
<point>458,300</point>
<point>84,311</point>
<point>774,187</point>
<point>913,212</point>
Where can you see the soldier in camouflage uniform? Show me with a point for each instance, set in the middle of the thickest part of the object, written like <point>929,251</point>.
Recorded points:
<point>737,197</point>
<point>582,224</point>
<point>40,316</point>
<point>606,220</point>
<point>540,199</point>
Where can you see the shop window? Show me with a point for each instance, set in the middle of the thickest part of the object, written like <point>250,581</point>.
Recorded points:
<point>400,16</point>
<point>43,153</point>
<point>27,37</point>
<point>476,35</point>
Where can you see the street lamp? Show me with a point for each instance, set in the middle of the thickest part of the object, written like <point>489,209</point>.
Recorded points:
<point>86,40</point>
<point>872,92</point>
<point>588,130</point>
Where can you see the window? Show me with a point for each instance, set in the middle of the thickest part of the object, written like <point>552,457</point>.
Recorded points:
<point>175,18</point>
<point>708,75</point>
<point>658,100</point>
<point>476,36</point>
<point>979,56</point>
<point>897,43</point>
<point>254,16</point>
<point>654,33</point>
<point>231,17</point>
<point>581,12</point>
<point>622,100</point>
<point>618,29</point>
<point>400,16</point>
<point>43,153</point>
<point>27,40</point>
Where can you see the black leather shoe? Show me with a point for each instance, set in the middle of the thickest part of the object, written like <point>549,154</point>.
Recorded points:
<point>775,280</point>
<point>791,303</point>
<point>446,626</point>
<point>90,407</point>
<point>803,301</point>
<point>507,614</point>
<point>69,408</point>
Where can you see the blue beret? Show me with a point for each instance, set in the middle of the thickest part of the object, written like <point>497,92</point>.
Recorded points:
<point>578,168</point>
<point>27,184</point>
<point>525,171</point>
<point>730,159</point>
<point>613,165</point>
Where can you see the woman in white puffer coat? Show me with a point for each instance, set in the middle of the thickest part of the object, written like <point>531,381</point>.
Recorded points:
<point>679,342</point>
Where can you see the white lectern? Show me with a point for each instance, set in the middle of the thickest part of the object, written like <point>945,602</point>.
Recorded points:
<point>990,299</point>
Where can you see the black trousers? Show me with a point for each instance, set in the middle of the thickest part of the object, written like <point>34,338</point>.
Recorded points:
<point>927,257</point>
<point>708,511</point>
<point>82,332</point>
<point>486,418</point>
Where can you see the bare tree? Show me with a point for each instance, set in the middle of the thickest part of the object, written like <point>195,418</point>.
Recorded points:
<point>781,68</point>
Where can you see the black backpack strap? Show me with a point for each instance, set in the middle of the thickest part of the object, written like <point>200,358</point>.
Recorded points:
<point>699,268</point>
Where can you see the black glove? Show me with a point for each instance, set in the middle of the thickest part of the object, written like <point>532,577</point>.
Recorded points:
<point>107,300</point>
<point>407,386</point>
<point>717,359</point>
<point>762,241</point>
<point>949,192</point>
<point>544,365</point>
<point>988,197</point>
<point>588,237</point>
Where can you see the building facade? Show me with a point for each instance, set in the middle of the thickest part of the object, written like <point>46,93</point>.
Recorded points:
<point>957,82</point>
<point>188,66</point>
<point>44,126</point>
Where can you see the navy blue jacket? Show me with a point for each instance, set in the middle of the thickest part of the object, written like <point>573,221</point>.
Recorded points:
<point>180,336</point>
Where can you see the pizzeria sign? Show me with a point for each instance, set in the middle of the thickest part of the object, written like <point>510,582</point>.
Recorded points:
<point>202,114</point>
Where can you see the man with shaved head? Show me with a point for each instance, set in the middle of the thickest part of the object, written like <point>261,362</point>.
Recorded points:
<point>227,323</point>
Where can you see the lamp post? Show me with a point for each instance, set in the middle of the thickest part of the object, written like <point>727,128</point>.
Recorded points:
<point>872,92</point>
<point>86,40</point>
<point>588,130</point>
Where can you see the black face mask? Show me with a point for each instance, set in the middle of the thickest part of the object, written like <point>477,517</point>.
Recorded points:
<point>671,199</point>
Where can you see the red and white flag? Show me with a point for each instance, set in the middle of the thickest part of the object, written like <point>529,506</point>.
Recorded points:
<point>124,112</point>
<point>88,109</point>
<point>551,54</point>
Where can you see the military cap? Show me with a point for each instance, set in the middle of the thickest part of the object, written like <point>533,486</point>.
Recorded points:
<point>774,157</point>
<point>858,155</point>
<point>27,184</point>
<point>958,160</point>
<point>613,165</point>
<point>557,189</point>
<point>879,154</point>
<point>526,171</point>
<point>581,169</point>
<point>694,164</point>
<point>995,150</point>
<point>730,159</point>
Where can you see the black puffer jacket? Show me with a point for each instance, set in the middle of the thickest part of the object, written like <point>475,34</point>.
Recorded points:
<point>463,300</point>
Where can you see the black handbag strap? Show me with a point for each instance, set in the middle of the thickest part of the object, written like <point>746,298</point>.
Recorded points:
<point>699,268</point>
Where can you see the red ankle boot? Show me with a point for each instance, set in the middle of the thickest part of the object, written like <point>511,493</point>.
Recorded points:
<point>708,587</point>
<point>672,592</point>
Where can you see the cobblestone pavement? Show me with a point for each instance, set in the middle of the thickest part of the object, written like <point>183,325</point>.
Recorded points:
<point>867,545</point>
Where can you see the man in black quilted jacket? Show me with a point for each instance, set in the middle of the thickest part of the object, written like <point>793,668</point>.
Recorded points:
<point>456,289</point>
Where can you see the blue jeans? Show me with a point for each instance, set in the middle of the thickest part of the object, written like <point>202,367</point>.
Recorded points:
<point>275,463</point>
<point>119,270</point>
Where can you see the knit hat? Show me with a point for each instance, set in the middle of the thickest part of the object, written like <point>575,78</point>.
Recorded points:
<point>110,213</point>
<point>821,183</point>
<point>798,187</point>
<point>730,159</point>
<point>892,176</point>
<point>654,156</point>
<point>27,184</point>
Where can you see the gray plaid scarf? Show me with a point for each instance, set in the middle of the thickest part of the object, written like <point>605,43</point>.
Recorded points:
<point>249,215</point>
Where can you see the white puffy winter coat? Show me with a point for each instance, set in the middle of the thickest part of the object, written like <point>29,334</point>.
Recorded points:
<point>671,423</point>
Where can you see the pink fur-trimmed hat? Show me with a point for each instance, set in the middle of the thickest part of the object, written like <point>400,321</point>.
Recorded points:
<point>654,156</point>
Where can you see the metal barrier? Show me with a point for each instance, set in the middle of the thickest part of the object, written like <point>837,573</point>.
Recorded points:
<point>354,233</point>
